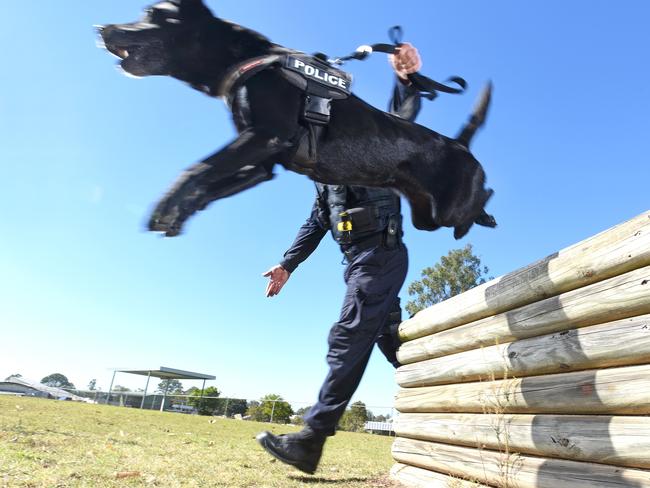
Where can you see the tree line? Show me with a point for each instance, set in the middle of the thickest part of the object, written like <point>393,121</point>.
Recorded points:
<point>269,408</point>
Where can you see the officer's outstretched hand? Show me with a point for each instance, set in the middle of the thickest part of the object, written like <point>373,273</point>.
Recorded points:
<point>278,276</point>
<point>406,60</point>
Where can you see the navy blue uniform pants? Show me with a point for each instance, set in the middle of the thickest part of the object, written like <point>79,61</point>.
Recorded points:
<point>373,278</point>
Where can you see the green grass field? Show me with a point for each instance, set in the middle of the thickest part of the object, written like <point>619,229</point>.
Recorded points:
<point>46,443</point>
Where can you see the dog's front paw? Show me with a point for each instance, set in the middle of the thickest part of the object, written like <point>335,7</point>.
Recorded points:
<point>169,223</point>
<point>180,202</point>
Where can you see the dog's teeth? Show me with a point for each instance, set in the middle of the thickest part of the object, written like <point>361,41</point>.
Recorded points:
<point>124,53</point>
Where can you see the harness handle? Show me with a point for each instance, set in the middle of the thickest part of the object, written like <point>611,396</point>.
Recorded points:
<point>424,84</point>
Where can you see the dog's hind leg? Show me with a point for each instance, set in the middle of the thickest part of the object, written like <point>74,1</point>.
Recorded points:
<point>222,174</point>
<point>422,212</point>
<point>486,220</point>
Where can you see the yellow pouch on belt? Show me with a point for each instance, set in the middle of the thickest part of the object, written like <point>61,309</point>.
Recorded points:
<point>345,226</point>
<point>360,219</point>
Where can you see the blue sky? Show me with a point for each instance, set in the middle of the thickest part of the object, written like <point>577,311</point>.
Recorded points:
<point>85,152</point>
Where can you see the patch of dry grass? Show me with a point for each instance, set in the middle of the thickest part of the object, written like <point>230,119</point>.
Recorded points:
<point>45,443</point>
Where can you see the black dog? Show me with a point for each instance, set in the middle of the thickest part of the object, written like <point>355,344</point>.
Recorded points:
<point>360,145</point>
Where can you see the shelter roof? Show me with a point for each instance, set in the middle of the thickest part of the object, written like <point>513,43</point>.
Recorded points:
<point>50,390</point>
<point>168,373</point>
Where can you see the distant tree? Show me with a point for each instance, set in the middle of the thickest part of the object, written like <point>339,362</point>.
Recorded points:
<point>231,407</point>
<point>57,380</point>
<point>354,419</point>
<point>173,386</point>
<point>235,406</point>
<point>17,375</point>
<point>120,388</point>
<point>303,410</point>
<point>457,272</point>
<point>254,412</point>
<point>191,390</point>
<point>92,385</point>
<point>270,406</point>
<point>297,418</point>
<point>205,406</point>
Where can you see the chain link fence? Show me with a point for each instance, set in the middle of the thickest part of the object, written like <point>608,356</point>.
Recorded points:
<point>262,410</point>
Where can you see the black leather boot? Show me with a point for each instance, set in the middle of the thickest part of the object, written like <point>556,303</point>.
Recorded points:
<point>301,449</point>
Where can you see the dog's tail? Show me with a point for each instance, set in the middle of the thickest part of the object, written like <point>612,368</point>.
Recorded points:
<point>477,119</point>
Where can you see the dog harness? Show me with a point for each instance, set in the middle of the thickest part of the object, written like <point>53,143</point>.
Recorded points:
<point>320,82</point>
<point>313,75</point>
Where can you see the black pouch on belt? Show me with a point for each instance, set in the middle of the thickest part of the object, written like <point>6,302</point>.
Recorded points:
<point>364,220</point>
<point>393,232</point>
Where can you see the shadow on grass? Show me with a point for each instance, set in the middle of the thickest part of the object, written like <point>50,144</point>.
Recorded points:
<point>332,481</point>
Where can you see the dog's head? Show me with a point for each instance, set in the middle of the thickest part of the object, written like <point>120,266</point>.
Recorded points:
<point>149,46</point>
<point>180,38</point>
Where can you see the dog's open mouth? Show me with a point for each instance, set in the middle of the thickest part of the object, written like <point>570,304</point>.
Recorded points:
<point>118,41</point>
<point>127,59</point>
<point>121,52</point>
<point>139,55</point>
<point>130,59</point>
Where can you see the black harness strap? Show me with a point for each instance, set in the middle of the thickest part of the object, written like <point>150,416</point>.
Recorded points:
<point>241,72</point>
<point>429,87</point>
<point>424,84</point>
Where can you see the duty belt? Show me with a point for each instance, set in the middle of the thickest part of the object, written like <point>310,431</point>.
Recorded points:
<point>378,240</point>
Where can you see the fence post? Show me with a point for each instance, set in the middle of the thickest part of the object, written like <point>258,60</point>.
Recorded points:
<point>201,398</point>
<point>110,388</point>
<point>146,387</point>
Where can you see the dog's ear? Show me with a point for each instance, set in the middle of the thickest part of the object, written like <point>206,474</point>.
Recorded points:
<point>192,7</point>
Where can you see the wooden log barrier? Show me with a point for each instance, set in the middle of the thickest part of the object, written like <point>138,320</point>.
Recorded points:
<point>570,350</point>
<point>623,296</point>
<point>616,440</point>
<point>510,470</point>
<point>616,391</point>
<point>422,478</point>
<point>613,252</point>
<point>538,379</point>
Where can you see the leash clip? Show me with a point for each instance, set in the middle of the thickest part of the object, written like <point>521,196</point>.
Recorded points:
<point>361,53</point>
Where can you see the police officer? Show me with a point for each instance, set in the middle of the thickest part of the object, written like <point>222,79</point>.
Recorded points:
<point>367,224</point>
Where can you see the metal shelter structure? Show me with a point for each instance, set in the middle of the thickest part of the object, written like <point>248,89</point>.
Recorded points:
<point>164,373</point>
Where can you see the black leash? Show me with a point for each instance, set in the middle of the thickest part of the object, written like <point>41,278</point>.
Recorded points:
<point>425,85</point>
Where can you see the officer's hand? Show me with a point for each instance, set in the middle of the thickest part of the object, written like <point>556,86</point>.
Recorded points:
<point>406,60</point>
<point>278,276</point>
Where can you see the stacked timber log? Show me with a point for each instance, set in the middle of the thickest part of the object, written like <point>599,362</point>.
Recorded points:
<point>539,378</point>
